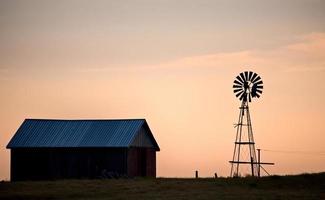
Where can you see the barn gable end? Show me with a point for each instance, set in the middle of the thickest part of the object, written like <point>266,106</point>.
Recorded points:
<point>144,138</point>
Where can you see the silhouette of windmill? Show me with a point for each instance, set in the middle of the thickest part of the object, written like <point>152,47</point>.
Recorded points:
<point>247,85</point>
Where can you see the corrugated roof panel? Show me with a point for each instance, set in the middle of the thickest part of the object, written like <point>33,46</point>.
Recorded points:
<point>76,133</point>
<point>130,139</point>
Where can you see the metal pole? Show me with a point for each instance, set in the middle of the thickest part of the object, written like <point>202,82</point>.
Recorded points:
<point>259,162</point>
<point>252,165</point>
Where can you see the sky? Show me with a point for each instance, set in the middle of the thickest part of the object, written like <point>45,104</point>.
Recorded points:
<point>172,63</point>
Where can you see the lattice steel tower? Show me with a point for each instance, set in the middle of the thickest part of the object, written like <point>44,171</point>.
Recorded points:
<point>247,85</point>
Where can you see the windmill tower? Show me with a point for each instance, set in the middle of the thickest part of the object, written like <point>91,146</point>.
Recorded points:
<point>247,85</point>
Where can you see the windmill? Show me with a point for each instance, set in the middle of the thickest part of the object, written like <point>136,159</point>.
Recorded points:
<point>247,85</point>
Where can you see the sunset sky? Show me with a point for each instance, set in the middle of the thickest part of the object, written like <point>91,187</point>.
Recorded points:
<point>173,63</point>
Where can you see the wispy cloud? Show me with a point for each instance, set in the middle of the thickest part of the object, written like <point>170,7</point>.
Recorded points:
<point>307,54</point>
<point>305,69</point>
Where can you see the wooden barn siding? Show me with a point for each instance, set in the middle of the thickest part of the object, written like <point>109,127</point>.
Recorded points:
<point>141,162</point>
<point>151,162</point>
<point>61,163</point>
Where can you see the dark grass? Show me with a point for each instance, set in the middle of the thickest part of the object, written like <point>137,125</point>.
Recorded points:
<point>305,186</point>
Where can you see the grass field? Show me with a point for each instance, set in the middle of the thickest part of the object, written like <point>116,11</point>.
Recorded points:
<point>305,186</point>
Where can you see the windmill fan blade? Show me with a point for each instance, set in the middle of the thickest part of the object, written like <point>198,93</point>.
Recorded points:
<point>237,95</point>
<point>254,76</point>
<point>256,79</point>
<point>237,82</point>
<point>237,90</point>
<point>242,76</point>
<point>248,85</point>
<point>250,76</point>
<point>240,80</point>
<point>259,91</point>
<point>237,86</point>
<point>242,96</point>
<point>259,83</point>
<point>246,76</point>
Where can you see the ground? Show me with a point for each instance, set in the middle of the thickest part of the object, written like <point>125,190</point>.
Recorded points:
<point>305,186</point>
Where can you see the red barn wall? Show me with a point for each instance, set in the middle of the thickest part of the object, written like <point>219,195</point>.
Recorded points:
<point>141,162</point>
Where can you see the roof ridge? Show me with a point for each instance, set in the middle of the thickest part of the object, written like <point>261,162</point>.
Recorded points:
<point>38,119</point>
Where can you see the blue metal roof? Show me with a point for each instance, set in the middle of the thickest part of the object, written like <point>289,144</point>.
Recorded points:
<point>35,133</point>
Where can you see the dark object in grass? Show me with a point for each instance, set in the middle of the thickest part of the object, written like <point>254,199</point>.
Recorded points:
<point>112,175</point>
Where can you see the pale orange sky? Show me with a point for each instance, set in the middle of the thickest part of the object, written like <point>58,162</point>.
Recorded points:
<point>172,63</point>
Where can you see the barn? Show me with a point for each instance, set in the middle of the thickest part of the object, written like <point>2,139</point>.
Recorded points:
<point>49,149</point>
